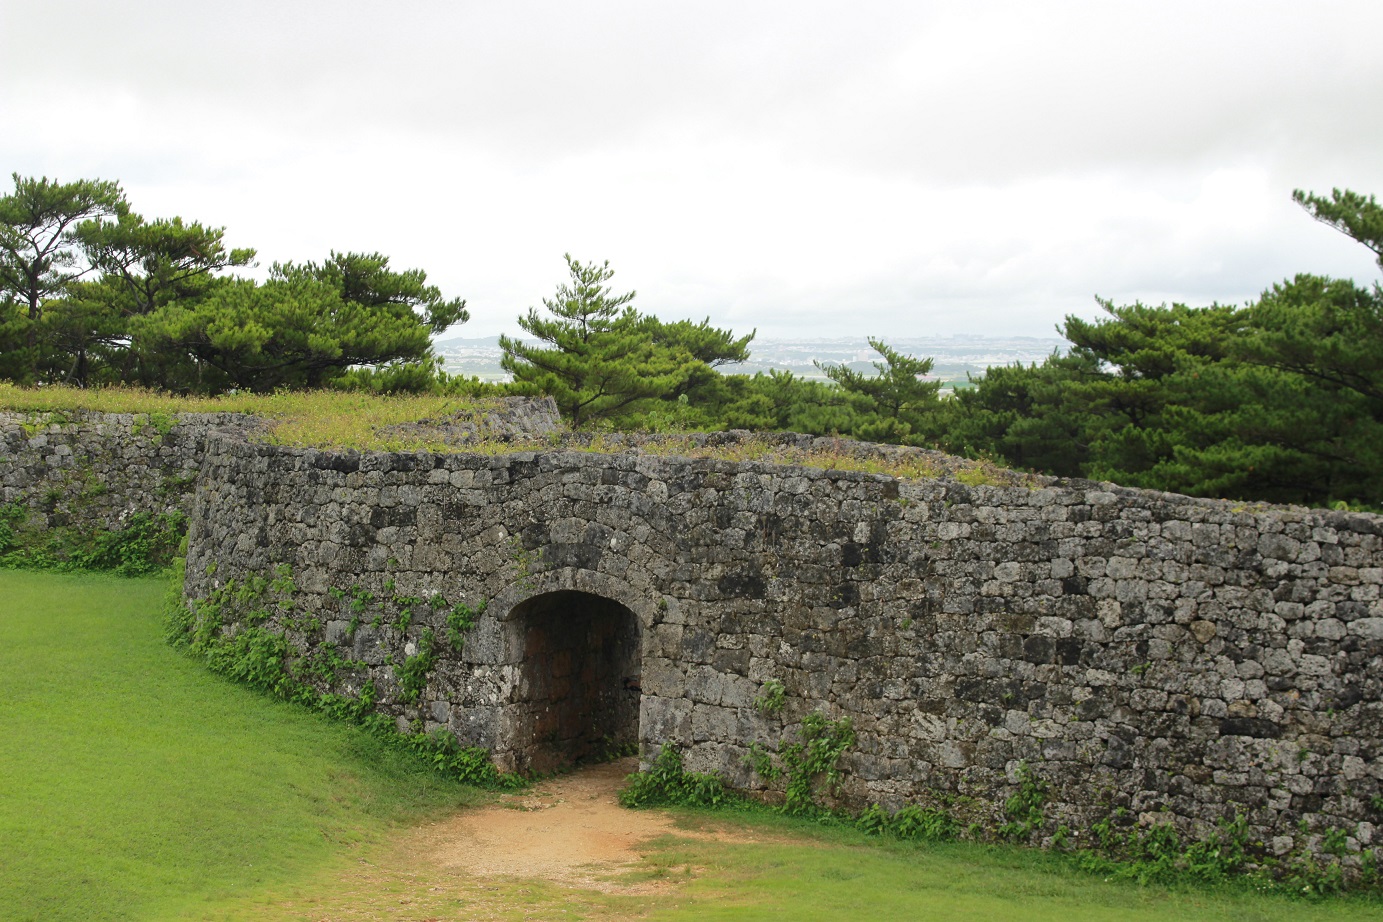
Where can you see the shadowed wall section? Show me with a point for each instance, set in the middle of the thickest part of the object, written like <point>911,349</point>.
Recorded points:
<point>577,697</point>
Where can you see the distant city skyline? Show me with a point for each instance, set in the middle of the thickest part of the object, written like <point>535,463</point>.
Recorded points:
<point>889,168</point>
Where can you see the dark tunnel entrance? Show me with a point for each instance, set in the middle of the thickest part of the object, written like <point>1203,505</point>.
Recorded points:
<point>578,693</point>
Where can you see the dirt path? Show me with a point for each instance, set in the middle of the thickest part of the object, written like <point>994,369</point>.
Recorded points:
<point>569,830</point>
<point>563,848</point>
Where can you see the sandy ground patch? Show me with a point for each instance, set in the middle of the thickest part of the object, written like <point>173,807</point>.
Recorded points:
<point>569,829</point>
<point>562,848</point>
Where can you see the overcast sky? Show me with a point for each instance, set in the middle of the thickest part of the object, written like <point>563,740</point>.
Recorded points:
<point>895,169</point>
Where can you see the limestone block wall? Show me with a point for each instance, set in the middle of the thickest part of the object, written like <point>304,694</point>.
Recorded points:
<point>1185,659</point>
<point>98,469</point>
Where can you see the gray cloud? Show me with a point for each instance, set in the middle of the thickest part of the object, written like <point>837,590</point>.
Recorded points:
<point>869,168</point>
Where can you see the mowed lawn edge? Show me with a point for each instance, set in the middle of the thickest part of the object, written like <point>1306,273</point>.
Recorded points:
<point>136,784</point>
<point>828,874</point>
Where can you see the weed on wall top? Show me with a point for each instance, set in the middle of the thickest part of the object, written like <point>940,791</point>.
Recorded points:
<point>371,422</point>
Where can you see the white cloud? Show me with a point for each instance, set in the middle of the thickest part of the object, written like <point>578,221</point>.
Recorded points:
<point>897,169</point>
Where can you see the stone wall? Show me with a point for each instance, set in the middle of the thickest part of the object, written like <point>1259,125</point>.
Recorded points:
<point>99,469</point>
<point>1184,659</point>
<point>95,470</point>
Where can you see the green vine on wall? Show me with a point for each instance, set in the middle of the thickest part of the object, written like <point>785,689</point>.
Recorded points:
<point>460,620</point>
<point>145,544</point>
<point>1023,809</point>
<point>810,764</point>
<point>771,698</point>
<point>412,675</point>
<point>267,661</point>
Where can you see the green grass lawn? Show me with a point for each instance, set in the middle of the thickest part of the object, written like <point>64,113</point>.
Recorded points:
<point>136,785</point>
<point>807,874</point>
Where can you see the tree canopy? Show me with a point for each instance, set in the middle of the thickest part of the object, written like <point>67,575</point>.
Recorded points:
<point>93,293</point>
<point>600,359</point>
<point>1281,399</point>
<point>41,256</point>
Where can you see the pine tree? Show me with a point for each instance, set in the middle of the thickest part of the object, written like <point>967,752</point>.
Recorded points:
<point>598,357</point>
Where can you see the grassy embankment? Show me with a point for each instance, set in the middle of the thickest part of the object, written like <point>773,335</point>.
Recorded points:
<point>137,786</point>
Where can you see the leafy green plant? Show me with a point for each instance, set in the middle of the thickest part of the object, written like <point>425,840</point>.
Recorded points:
<point>760,759</point>
<point>1023,809</point>
<point>468,764</point>
<point>926,824</point>
<point>1335,842</point>
<point>412,675</point>
<point>145,544</point>
<point>771,697</point>
<point>1156,854</point>
<point>360,599</point>
<point>460,620</point>
<point>811,764</point>
<point>12,515</point>
<point>911,823</point>
<point>874,820</point>
<point>323,664</point>
<point>667,783</point>
<point>404,616</point>
<point>254,656</point>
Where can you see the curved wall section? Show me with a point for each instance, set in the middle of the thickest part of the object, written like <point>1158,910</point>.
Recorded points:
<point>1182,658</point>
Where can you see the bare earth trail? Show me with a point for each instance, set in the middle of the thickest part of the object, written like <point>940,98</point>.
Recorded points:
<point>568,830</point>
<point>564,848</point>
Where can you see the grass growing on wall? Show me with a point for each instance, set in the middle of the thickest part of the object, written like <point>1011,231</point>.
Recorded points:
<point>363,421</point>
<point>134,784</point>
<point>313,419</point>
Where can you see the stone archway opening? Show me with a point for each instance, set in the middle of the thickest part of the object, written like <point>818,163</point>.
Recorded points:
<point>579,691</point>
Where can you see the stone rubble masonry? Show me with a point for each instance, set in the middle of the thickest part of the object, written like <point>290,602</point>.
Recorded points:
<point>97,469</point>
<point>1184,659</point>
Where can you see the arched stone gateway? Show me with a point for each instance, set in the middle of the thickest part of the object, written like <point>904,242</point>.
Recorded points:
<point>577,696</point>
